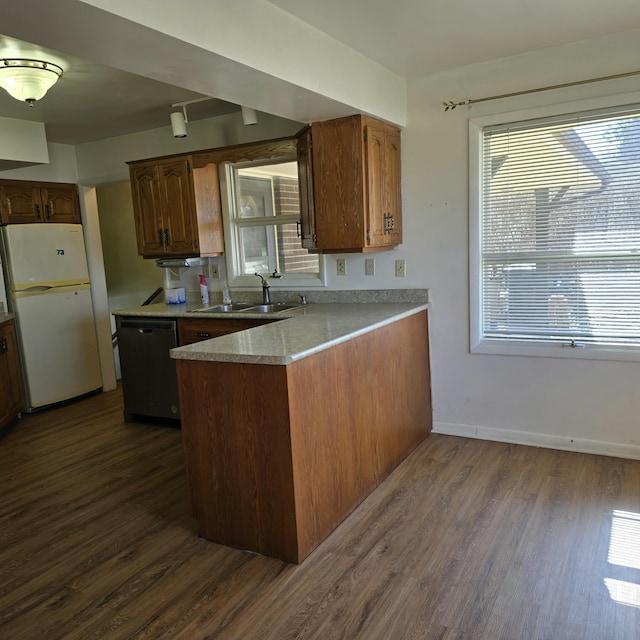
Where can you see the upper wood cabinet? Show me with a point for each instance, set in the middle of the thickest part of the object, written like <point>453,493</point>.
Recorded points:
<point>177,209</point>
<point>353,202</point>
<point>23,201</point>
<point>10,380</point>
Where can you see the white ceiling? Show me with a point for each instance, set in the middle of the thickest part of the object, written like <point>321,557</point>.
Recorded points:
<point>412,38</point>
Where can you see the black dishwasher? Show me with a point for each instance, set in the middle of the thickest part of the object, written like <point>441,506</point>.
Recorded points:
<point>149,380</point>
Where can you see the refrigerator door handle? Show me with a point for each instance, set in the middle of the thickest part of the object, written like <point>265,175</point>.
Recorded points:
<point>37,288</point>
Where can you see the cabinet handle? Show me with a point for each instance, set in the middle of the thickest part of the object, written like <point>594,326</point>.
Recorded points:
<point>37,208</point>
<point>167,240</point>
<point>160,237</point>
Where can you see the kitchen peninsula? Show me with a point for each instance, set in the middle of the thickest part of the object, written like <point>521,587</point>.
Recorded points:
<point>288,426</point>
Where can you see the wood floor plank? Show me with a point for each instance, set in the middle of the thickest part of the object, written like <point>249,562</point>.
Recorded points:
<point>465,540</point>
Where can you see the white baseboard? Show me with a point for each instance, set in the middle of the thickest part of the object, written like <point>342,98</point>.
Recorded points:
<point>581,445</point>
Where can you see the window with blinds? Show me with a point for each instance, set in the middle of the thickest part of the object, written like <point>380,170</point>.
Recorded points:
<point>559,245</point>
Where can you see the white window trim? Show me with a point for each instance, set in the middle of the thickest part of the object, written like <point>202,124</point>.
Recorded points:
<point>237,280</point>
<point>492,346</point>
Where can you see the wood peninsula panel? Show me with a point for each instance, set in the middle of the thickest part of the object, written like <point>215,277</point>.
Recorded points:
<point>278,455</point>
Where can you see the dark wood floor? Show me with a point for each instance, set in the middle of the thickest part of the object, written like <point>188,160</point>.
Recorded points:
<point>466,540</point>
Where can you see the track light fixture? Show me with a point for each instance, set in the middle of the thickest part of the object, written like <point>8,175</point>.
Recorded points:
<point>28,80</point>
<point>179,123</point>
<point>179,118</point>
<point>249,116</point>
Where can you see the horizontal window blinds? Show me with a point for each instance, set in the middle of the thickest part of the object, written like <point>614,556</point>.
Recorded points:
<point>560,230</point>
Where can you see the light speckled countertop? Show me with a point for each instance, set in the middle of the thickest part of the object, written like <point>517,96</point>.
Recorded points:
<point>301,333</point>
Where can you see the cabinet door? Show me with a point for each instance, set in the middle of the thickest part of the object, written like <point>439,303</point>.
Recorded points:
<point>146,207</point>
<point>177,205</point>
<point>20,203</point>
<point>305,185</point>
<point>338,187</point>
<point>393,189</point>
<point>60,203</point>
<point>10,381</point>
<point>382,150</point>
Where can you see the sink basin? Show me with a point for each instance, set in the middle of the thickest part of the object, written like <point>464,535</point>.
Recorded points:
<point>272,308</point>
<point>224,308</point>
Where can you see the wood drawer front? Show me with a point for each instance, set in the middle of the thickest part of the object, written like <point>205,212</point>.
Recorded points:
<point>192,330</point>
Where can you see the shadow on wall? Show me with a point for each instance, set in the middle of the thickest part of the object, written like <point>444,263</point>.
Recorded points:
<point>130,278</point>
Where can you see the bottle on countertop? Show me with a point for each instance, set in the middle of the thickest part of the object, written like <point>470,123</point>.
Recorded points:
<point>226,294</point>
<point>204,290</point>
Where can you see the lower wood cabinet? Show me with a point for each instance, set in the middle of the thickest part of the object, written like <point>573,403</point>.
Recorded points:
<point>10,378</point>
<point>192,330</point>
<point>278,455</point>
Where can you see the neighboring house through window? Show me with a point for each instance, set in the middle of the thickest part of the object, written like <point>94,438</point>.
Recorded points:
<point>263,224</point>
<point>555,234</point>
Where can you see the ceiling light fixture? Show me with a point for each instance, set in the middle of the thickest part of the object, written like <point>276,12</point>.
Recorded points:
<point>28,80</point>
<point>249,116</point>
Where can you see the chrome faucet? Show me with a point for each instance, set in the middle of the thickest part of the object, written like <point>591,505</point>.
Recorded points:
<point>266,296</point>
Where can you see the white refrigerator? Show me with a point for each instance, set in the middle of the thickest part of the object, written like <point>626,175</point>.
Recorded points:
<point>48,290</point>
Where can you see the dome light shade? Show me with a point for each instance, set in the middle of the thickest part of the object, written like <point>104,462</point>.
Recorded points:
<point>28,80</point>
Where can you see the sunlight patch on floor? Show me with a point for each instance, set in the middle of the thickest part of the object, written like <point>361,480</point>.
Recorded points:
<point>623,592</point>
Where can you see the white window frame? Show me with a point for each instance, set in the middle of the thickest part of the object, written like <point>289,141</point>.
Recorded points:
<point>235,278</point>
<point>518,347</point>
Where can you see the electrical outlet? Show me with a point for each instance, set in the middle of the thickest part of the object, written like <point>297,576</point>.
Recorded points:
<point>369,267</point>
<point>401,268</point>
<point>341,266</point>
<point>214,270</point>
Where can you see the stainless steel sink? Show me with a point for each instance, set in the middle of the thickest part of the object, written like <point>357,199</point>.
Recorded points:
<point>224,308</point>
<point>273,307</point>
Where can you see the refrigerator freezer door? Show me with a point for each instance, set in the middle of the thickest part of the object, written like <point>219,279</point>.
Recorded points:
<point>59,346</point>
<point>44,253</point>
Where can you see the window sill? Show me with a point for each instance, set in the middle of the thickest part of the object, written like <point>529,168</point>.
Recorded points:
<point>555,350</point>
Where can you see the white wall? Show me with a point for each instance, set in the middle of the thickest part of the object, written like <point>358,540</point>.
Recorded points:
<point>583,404</point>
<point>62,166</point>
<point>106,160</point>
